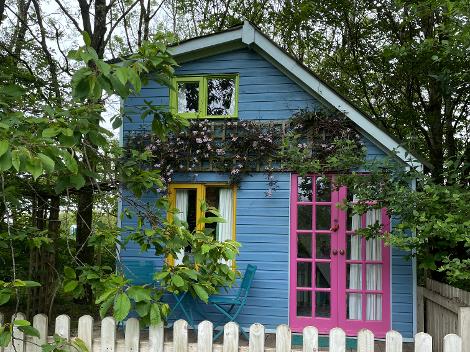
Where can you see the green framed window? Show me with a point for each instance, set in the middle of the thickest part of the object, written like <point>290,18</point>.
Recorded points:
<point>208,96</point>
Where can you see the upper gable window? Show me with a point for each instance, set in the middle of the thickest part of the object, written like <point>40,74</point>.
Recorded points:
<point>210,96</point>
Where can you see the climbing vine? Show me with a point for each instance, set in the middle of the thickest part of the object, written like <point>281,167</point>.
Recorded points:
<point>310,141</point>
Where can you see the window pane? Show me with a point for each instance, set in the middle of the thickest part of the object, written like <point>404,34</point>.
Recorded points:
<point>323,246</point>
<point>354,306</point>
<point>304,274</point>
<point>374,276</point>
<point>188,97</point>
<point>304,303</point>
<point>374,307</point>
<point>322,275</point>
<point>323,218</point>
<point>304,245</point>
<point>221,96</point>
<point>374,249</point>
<point>304,189</point>
<point>322,304</point>
<point>354,276</point>
<point>354,247</point>
<point>323,189</point>
<point>304,217</point>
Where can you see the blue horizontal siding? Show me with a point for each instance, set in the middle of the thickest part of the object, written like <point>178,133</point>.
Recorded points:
<point>402,291</point>
<point>264,92</point>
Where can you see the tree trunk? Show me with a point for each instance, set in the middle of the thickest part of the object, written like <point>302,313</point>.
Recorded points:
<point>84,225</point>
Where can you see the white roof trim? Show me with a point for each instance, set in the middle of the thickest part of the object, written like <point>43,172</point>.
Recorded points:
<point>206,42</point>
<point>249,35</point>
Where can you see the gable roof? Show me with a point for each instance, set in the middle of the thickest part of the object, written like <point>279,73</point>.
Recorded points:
<point>247,35</point>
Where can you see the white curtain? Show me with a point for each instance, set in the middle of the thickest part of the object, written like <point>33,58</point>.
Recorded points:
<point>355,274</point>
<point>374,271</point>
<point>182,204</point>
<point>224,229</point>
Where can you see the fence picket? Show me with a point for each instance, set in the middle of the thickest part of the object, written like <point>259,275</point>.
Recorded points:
<point>310,339</point>
<point>231,332</point>
<point>205,332</point>
<point>256,338</point>
<point>463,327</point>
<point>180,336</point>
<point>365,341</point>
<point>423,342</point>
<point>40,323</point>
<point>132,335</point>
<point>337,340</point>
<point>156,338</point>
<point>452,343</point>
<point>283,338</point>
<point>85,331</point>
<point>17,342</point>
<point>108,335</point>
<point>393,341</point>
<point>62,326</point>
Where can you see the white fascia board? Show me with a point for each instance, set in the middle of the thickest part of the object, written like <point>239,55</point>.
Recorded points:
<point>206,42</point>
<point>326,93</point>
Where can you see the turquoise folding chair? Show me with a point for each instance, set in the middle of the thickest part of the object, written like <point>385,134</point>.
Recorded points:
<point>231,306</point>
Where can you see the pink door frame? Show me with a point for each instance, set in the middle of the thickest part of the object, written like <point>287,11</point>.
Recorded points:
<point>338,274</point>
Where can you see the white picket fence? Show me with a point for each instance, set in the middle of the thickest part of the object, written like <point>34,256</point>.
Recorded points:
<point>135,340</point>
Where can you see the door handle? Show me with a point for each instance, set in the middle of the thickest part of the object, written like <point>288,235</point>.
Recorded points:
<point>341,251</point>
<point>334,228</point>
<point>334,251</point>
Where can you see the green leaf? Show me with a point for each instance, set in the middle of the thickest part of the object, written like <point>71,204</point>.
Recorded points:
<point>161,275</point>
<point>138,293</point>
<point>4,144</point>
<point>29,283</point>
<point>29,330</point>
<point>105,306</point>
<point>70,162</point>
<point>5,161</point>
<point>106,294</point>
<point>201,292</point>
<point>122,74</point>
<point>5,338</point>
<point>177,280</point>
<point>50,132</point>
<point>86,38</point>
<point>21,322</point>
<point>47,162</point>
<point>15,159</point>
<point>34,166</point>
<point>142,308</point>
<point>78,181</point>
<point>122,306</point>
<point>80,345</point>
<point>155,316</point>
<point>70,286</point>
<point>5,296</point>
<point>70,273</point>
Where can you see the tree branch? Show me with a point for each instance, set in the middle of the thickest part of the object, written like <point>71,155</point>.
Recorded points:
<point>64,10</point>
<point>120,18</point>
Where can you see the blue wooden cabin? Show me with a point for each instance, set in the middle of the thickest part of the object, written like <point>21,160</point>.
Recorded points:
<point>265,83</point>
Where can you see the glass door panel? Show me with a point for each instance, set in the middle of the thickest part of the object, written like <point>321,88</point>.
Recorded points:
<point>366,288</point>
<point>313,292</point>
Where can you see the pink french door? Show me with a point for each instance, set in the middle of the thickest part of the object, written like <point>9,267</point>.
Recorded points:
<point>337,278</point>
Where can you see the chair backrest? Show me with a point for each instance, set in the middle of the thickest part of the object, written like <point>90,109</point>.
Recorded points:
<point>247,280</point>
